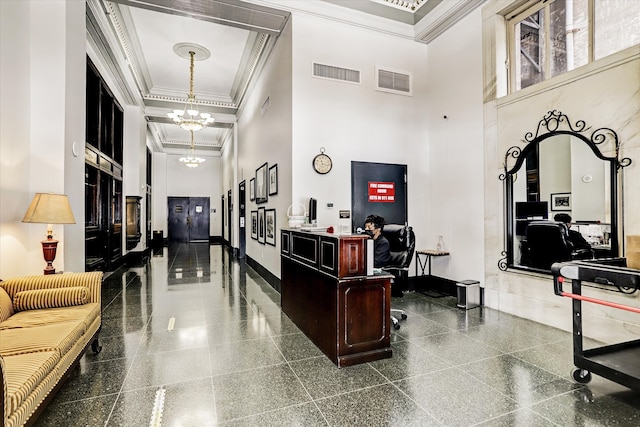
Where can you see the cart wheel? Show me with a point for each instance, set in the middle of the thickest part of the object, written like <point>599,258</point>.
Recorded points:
<point>396,326</point>
<point>404,316</point>
<point>581,376</point>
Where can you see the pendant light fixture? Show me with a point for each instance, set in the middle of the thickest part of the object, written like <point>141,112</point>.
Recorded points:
<point>190,118</point>
<point>192,161</point>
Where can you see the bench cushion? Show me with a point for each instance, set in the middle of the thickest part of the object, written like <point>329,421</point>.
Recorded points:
<point>88,313</point>
<point>50,298</point>
<point>58,337</point>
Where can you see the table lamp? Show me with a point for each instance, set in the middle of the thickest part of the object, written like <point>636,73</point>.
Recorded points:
<point>47,208</point>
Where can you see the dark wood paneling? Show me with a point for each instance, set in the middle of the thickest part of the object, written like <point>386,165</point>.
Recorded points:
<point>348,317</point>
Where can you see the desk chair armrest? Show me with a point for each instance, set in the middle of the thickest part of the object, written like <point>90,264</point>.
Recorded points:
<point>583,254</point>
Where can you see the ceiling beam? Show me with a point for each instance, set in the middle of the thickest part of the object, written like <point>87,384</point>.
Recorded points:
<point>234,13</point>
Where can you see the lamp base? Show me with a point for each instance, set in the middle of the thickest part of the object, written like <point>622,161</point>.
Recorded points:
<point>49,248</point>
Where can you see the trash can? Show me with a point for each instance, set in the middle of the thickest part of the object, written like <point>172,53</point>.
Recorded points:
<point>468,294</point>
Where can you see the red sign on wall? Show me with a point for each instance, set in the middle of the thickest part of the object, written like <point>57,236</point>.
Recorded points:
<point>382,192</point>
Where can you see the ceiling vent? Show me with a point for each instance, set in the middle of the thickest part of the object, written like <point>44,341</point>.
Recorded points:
<point>393,81</point>
<point>336,73</point>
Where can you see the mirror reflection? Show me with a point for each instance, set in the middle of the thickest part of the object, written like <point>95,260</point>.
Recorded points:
<point>561,204</point>
<point>561,194</point>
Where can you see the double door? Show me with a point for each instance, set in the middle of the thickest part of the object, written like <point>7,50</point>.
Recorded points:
<point>189,219</point>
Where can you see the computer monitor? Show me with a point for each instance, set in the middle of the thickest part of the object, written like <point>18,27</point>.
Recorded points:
<point>313,210</point>
<point>532,210</point>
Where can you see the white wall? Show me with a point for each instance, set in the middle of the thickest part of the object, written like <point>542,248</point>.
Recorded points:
<point>159,193</point>
<point>354,122</point>
<point>134,170</point>
<point>267,138</point>
<point>590,198</point>
<point>203,181</point>
<point>42,75</point>
<point>454,195</point>
<point>228,161</point>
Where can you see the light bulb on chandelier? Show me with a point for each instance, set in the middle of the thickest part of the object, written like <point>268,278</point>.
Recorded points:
<point>192,161</point>
<point>190,118</point>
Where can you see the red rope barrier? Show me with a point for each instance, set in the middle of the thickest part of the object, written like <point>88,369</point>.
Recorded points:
<point>602,302</point>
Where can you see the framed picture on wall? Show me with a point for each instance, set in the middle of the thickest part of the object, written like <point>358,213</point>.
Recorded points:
<point>273,180</point>
<point>560,201</point>
<point>262,184</point>
<point>270,220</point>
<point>254,225</point>
<point>261,226</point>
<point>252,189</point>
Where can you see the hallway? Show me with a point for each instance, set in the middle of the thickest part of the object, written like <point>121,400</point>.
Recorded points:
<point>196,338</point>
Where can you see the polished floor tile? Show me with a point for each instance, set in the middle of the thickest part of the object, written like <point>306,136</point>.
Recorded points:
<point>250,392</point>
<point>195,337</point>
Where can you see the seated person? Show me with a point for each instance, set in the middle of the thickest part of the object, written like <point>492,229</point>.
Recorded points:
<point>373,226</point>
<point>575,238</point>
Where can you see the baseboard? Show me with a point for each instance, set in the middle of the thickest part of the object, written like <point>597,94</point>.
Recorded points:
<point>266,274</point>
<point>136,258</point>
<point>433,284</point>
<point>216,240</point>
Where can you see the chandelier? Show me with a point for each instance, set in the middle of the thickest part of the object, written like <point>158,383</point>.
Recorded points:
<point>190,118</point>
<point>192,161</point>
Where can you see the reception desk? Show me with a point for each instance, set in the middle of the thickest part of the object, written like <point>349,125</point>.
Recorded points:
<point>325,291</point>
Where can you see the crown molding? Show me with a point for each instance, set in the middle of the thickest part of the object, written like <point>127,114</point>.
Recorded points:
<point>443,17</point>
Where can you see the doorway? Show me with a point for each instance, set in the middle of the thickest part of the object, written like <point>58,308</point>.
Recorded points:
<point>189,219</point>
<point>230,218</point>
<point>380,189</point>
<point>242,235</point>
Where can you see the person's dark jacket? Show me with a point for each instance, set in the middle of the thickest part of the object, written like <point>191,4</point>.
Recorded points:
<point>382,252</point>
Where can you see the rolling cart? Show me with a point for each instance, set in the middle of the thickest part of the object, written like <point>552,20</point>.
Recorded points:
<point>617,362</point>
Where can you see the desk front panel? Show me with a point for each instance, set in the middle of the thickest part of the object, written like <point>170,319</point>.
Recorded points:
<point>348,319</point>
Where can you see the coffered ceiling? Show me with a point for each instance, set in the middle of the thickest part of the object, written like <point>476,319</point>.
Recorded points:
<point>136,39</point>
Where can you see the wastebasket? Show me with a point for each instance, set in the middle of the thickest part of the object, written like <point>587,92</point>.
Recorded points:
<point>468,294</point>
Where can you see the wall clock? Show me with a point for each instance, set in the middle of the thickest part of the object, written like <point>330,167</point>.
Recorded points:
<point>322,163</point>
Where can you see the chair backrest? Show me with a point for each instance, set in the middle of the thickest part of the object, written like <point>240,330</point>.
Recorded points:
<point>402,244</point>
<point>548,243</point>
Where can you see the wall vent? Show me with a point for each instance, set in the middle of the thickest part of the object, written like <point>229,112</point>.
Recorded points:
<point>336,73</point>
<point>393,81</point>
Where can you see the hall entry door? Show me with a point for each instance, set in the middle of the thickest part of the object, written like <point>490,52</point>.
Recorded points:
<point>230,218</point>
<point>189,219</point>
<point>378,189</point>
<point>242,236</point>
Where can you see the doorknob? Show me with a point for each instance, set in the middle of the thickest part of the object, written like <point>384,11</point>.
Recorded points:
<point>189,221</point>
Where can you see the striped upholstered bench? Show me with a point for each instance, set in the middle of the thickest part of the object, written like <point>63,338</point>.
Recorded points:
<point>46,325</point>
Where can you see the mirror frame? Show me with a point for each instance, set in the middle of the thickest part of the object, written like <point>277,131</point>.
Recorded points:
<point>552,124</point>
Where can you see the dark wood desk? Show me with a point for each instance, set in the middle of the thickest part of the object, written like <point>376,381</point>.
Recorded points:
<point>326,293</point>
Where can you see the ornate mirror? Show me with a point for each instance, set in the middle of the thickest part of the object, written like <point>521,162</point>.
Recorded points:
<point>564,170</point>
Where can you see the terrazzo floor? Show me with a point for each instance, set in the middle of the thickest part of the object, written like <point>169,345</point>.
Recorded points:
<point>233,358</point>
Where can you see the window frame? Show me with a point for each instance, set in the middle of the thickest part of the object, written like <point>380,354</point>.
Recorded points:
<point>513,52</point>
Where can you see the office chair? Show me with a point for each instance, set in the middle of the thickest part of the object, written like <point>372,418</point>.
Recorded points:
<point>548,242</point>
<point>402,244</point>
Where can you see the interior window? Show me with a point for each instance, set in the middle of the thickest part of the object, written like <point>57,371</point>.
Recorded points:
<point>552,37</point>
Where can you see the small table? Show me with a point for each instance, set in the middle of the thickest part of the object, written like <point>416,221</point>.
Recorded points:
<point>428,253</point>
<point>424,263</point>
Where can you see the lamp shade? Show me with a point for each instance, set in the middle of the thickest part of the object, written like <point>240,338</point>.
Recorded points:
<point>47,208</point>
